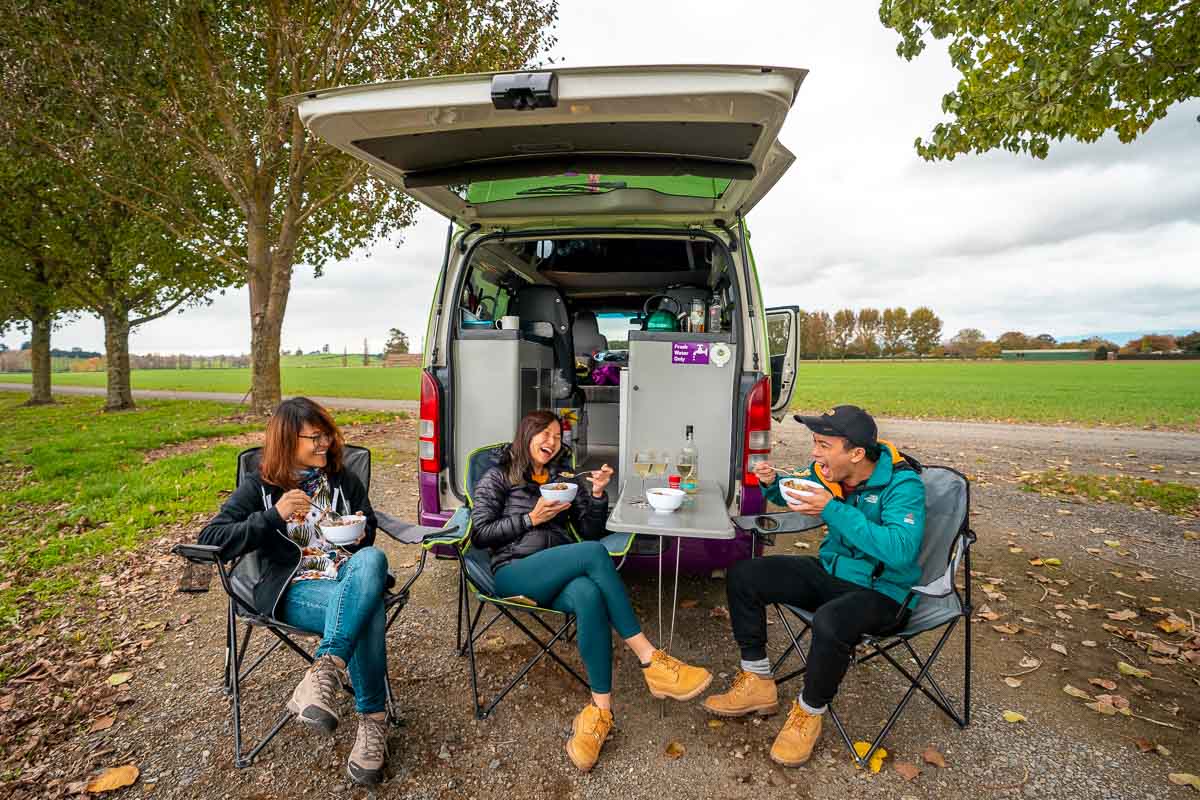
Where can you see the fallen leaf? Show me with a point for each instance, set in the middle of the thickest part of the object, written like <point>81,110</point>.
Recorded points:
<point>1104,708</point>
<point>1143,744</point>
<point>1013,550</point>
<point>1098,530</point>
<point>1126,595</point>
<point>116,679</point>
<point>1162,751</point>
<point>674,750</point>
<point>933,756</point>
<point>719,611</point>
<point>1080,693</point>
<point>1036,562</point>
<point>102,724</point>
<point>1185,779</point>
<point>1088,643</point>
<point>1008,628</point>
<point>1103,683</point>
<point>1013,716</point>
<point>1058,648</point>
<point>906,770</point>
<point>113,778</point>
<point>989,615</point>
<point>1129,669</point>
<point>715,723</point>
<point>1124,614</point>
<point>689,603</point>
<point>7,701</point>
<point>801,545</point>
<point>1171,625</point>
<point>1052,562</point>
<point>1029,662</point>
<point>1014,683</point>
<point>876,762</point>
<point>1115,700</point>
<point>1112,542</point>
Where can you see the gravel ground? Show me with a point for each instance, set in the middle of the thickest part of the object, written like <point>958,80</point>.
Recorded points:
<point>177,728</point>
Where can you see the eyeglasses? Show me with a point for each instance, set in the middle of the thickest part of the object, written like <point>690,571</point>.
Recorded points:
<point>317,438</point>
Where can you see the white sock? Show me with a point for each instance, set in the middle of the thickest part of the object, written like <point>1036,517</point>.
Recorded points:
<point>761,667</point>
<point>816,712</point>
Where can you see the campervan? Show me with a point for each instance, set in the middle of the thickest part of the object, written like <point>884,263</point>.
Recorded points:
<point>597,261</point>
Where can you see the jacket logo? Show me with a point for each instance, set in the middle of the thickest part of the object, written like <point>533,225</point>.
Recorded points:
<point>909,519</point>
<point>874,498</point>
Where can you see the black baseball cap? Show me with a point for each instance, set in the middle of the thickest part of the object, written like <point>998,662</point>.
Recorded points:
<point>850,422</point>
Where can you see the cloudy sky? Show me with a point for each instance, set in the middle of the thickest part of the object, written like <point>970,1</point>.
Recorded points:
<point>1097,237</point>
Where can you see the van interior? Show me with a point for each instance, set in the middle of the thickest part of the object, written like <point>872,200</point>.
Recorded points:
<point>649,295</point>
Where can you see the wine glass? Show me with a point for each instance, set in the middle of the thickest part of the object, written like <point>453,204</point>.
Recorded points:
<point>643,463</point>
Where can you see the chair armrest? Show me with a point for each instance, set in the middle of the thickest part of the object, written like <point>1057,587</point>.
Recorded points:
<point>405,532</point>
<point>201,553</point>
<point>452,536</point>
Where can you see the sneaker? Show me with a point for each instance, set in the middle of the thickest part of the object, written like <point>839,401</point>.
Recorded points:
<point>667,676</point>
<point>749,693</point>
<point>588,732</point>
<point>370,750</point>
<point>794,744</point>
<point>314,701</point>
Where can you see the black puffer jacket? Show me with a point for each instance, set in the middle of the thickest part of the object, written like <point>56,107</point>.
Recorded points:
<point>500,514</point>
<point>245,524</point>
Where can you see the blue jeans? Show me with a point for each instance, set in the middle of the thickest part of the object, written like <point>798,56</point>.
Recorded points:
<point>349,615</point>
<point>579,578</point>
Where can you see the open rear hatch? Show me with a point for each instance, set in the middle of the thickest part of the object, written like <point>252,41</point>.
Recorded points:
<point>618,145</point>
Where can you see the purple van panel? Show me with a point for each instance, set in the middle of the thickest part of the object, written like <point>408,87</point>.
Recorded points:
<point>429,504</point>
<point>752,500</point>
<point>697,556</point>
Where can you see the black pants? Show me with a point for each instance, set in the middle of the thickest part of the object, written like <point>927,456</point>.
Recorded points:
<point>844,612</point>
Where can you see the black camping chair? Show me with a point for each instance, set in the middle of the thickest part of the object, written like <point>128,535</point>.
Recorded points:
<point>945,549</point>
<point>476,578</point>
<point>238,577</point>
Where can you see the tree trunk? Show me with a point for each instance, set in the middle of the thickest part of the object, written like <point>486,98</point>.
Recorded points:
<point>270,281</point>
<point>39,357</point>
<point>116,354</point>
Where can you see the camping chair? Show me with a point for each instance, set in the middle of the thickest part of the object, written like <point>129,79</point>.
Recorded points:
<point>476,578</point>
<point>238,577</point>
<point>945,548</point>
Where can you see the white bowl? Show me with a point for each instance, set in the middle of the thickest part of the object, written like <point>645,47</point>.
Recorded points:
<point>805,490</point>
<point>348,533</point>
<point>565,494</point>
<point>665,500</point>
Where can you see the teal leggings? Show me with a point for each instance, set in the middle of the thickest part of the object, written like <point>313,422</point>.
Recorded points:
<point>578,578</point>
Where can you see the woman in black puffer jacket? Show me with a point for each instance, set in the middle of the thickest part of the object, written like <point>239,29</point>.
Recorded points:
<point>535,555</point>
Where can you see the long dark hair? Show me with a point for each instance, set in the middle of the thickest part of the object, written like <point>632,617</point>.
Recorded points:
<point>283,434</point>
<point>520,464</point>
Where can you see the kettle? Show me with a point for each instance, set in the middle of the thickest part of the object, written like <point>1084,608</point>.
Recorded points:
<point>661,320</point>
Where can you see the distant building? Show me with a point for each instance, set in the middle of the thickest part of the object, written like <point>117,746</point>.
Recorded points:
<point>1047,355</point>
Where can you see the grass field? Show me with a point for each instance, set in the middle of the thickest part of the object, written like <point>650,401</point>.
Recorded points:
<point>74,483</point>
<point>1090,393</point>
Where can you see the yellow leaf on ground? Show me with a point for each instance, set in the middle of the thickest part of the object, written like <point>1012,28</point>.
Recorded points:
<point>1052,562</point>
<point>1036,562</point>
<point>1112,542</point>
<point>675,750</point>
<point>876,762</point>
<point>1013,716</point>
<point>117,678</point>
<point>114,778</point>
<point>1131,670</point>
<point>1185,779</point>
<point>1171,625</point>
<point>715,723</point>
<point>1080,693</point>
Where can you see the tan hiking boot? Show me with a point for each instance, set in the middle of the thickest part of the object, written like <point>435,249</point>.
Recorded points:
<point>749,693</point>
<point>667,676</point>
<point>314,702</point>
<point>370,751</point>
<point>588,732</point>
<point>794,744</point>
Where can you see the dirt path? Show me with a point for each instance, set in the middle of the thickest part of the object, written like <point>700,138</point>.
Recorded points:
<point>176,724</point>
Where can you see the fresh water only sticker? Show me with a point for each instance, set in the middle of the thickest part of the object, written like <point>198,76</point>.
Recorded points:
<point>689,353</point>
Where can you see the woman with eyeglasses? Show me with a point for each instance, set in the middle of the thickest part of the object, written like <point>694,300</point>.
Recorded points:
<point>305,581</point>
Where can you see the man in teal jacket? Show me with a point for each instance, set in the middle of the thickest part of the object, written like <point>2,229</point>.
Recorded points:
<point>873,504</point>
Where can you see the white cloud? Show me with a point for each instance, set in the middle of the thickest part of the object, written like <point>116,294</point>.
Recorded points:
<point>1101,235</point>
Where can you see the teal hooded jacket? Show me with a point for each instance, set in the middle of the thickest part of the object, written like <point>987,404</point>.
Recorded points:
<point>874,534</point>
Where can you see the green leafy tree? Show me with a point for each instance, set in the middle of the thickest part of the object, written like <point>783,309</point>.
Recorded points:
<point>844,322</point>
<point>1043,341</point>
<point>251,191</point>
<point>895,330</point>
<point>397,341</point>
<point>817,335</point>
<point>1033,73</point>
<point>1013,340</point>
<point>988,350</point>
<point>967,341</point>
<point>1189,343</point>
<point>924,330</point>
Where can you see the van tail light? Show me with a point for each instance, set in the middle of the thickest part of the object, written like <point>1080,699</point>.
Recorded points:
<point>758,431</point>
<point>429,447</point>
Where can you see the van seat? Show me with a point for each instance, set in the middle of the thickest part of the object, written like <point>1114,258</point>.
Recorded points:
<point>586,332</point>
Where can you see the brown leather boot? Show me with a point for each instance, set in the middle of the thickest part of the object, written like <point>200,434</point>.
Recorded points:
<point>315,699</point>
<point>588,732</point>
<point>749,693</point>
<point>794,744</point>
<point>667,676</point>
